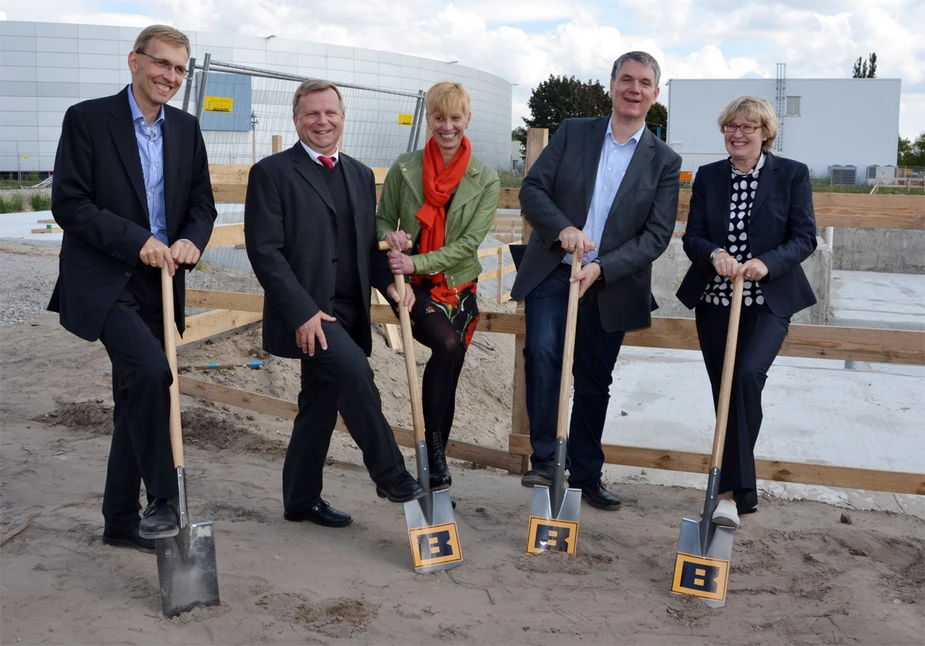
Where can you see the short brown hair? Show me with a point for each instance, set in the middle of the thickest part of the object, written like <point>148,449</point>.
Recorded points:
<point>163,33</point>
<point>756,110</point>
<point>446,96</point>
<point>310,86</point>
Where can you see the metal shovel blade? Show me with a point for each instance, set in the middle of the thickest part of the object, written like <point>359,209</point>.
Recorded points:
<point>432,532</point>
<point>186,566</point>
<point>703,573</point>
<point>550,531</point>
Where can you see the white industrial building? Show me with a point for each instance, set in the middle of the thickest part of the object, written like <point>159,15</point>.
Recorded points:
<point>47,67</point>
<point>830,125</point>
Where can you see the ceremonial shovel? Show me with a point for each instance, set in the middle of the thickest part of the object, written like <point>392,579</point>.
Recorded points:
<point>431,522</point>
<point>186,562</point>
<point>704,548</point>
<point>554,512</point>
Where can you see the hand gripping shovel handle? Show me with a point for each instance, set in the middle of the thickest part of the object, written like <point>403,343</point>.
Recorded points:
<point>725,387</point>
<point>170,348</point>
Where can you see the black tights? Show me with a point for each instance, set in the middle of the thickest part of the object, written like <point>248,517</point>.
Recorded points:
<point>441,376</point>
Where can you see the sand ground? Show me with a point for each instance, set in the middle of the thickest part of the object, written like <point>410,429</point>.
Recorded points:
<point>802,572</point>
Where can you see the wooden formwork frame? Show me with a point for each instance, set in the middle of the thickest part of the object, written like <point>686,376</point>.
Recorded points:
<point>233,310</point>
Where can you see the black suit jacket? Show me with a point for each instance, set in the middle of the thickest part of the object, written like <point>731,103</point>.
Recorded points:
<point>781,231</point>
<point>557,194</point>
<point>290,228</point>
<point>98,198</point>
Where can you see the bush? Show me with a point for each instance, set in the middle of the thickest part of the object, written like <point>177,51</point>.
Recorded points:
<point>41,202</point>
<point>13,204</point>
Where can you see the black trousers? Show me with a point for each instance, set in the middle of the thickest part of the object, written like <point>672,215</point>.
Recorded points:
<point>133,336</point>
<point>761,335</point>
<point>338,379</point>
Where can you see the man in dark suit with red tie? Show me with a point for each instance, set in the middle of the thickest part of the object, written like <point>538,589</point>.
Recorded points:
<point>132,193</point>
<point>309,225</point>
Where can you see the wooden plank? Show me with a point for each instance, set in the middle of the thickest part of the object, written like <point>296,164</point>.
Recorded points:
<point>237,301</point>
<point>860,210</point>
<point>47,230</point>
<point>226,235</point>
<point>379,174</point>
<point>287,410</point>
<point>392,331</point>
<point>47,221</point>
<point>229,173</point>
<point>202,326</point>
<point>776,470</point>
<point>812,341</point>
<point>276,144</point>
<point>229,193</point>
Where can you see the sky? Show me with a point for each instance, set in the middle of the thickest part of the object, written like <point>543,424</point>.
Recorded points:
<point>526,41</point>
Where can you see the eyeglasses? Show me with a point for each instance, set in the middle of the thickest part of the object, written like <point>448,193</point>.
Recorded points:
<point>166,66</point>
<point>746,129</point>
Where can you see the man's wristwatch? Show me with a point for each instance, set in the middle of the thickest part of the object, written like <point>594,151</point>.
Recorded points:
<point>601,277</point>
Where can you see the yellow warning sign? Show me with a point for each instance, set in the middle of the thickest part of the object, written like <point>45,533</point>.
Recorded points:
<point>548,535</point>
<point>701,577</point>
<point>435,545</point>
<point>405,119</point>
<point>218,104</point>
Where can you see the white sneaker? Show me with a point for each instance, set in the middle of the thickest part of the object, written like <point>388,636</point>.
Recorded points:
<point>726,514</point>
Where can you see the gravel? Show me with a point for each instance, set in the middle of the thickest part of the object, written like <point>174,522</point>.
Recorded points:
<point>26,283</point>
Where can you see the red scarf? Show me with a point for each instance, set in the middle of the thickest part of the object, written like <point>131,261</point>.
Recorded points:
<point>439,182</point>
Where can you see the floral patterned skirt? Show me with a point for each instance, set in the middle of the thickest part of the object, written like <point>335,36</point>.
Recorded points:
<point>433,297</point>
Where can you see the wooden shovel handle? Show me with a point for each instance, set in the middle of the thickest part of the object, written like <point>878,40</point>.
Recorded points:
<point>725,385</point>
<point>568,351</point>
<point>414,388</point>
<point>170,348</point>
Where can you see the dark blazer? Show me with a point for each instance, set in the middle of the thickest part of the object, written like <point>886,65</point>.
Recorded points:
<point>781,231</point>
<point>290,229</point>
<point>557,194</point>
<point>98,198</point>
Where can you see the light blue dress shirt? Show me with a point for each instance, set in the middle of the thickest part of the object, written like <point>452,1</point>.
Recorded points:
<point>151,150</point>
<point>615,159</point>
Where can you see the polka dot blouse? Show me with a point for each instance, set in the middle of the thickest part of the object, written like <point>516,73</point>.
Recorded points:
<point>744,185</point>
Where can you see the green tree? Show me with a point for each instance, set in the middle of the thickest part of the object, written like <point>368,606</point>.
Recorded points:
<point>865,69</point>
<point>912,153</point>
<point>561,97</point>
<point>657,120</point>
<point>520,134</point>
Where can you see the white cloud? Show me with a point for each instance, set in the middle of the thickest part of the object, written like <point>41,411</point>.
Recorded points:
<point>526,41</point>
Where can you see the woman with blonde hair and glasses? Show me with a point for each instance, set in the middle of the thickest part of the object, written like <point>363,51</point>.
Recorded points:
<point>751,217</point>
<point>444,200</point>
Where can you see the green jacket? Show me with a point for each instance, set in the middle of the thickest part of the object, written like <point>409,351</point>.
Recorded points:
<point>472,213</point>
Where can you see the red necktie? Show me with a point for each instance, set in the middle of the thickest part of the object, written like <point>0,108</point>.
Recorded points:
<point>327,162</point>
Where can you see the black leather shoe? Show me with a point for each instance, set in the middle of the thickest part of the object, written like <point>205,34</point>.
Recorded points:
<point>599,497</point>
<point>404,488</point>
<point>538,475</point>
<point>128,539</point>
<point>321,513</point>
<point>159,520</point>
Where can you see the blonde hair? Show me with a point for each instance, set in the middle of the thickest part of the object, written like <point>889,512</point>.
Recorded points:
<point>756,110</point>
<point>446,96</point>
<point>165,34</point>
<point>310,86</point>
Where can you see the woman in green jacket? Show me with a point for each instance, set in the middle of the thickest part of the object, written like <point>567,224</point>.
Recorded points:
<point>444,200</point>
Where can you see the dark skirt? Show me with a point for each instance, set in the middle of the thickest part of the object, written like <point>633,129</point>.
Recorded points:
<point>432,296</point>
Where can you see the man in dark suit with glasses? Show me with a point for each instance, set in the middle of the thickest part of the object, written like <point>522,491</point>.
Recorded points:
<point>132,193</point>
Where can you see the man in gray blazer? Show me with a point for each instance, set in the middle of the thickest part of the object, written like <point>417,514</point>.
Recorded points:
<point>604,189</point>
